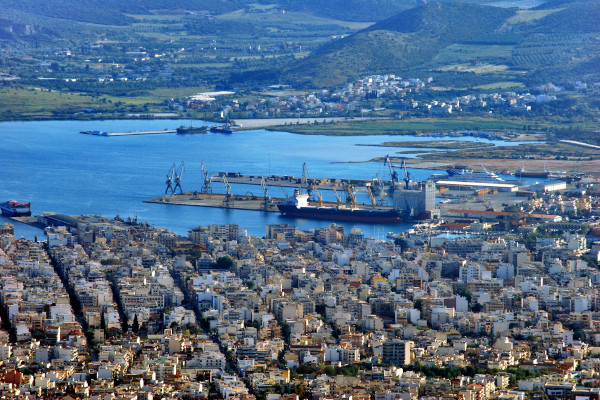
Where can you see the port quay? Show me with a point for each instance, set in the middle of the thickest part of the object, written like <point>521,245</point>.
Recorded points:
<point>130,133</point>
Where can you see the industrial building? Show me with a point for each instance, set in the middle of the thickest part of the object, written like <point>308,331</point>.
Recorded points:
<point>418,202</point>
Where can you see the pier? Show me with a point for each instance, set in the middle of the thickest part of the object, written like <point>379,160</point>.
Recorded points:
<point>290,181</point>
<point>130,133</point>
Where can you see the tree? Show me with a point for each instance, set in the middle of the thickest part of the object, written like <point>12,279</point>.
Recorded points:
<point>135,326</point>
<point>224,262</point>
<point>464,292</point>
<point>579,335</point>
<point>103,322</point>
<point>286,332</point>
<point>418,304</point>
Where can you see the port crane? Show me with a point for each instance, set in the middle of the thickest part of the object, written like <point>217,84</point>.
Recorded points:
<point>311,187</point>
<point>337,195</point>
<point>178,176</point>
<point>267,199</point>
<point>350,198</point>
<point>406,174</point>
<point>206,188</point>
<point>169,181</point>
<point>228,200</point>
<point>370,192</point>
<point>393,174</point>
<point>304,173</point>
<point>319,197</point>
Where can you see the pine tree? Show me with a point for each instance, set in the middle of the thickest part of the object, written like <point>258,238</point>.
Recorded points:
<point>135,327</point>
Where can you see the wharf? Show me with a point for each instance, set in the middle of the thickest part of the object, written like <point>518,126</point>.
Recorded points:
<point>30,220</point>
<point>130,133</point>
<point>238,202</point>
<point>288,181</point>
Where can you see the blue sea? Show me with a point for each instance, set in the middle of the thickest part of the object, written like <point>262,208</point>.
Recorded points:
<point>57,169</point>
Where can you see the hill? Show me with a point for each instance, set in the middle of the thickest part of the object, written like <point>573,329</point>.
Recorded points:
<point>579,17</point>
<point>114,12</point>
<point>402,42</point>
<point>109,12</point>
<point>349,10</point>
<point>464,45</point>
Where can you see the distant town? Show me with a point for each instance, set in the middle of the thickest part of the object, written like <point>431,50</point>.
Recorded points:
<point>484,305</point>
<point>375,95</point>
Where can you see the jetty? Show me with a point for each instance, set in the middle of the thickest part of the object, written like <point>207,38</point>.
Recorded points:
<point>130,133</point>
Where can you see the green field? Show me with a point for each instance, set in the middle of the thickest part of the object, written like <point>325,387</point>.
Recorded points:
<point>501,85</point>
<point>37,103</point>
<point>463,53</point>
<point>475,68</point>
<point>525,16</point>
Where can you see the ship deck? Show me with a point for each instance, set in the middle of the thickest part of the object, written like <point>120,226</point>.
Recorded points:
<point>254,203</point>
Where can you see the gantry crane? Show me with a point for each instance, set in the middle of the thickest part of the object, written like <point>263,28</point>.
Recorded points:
<point>178,176</point>
<point>206,188</point>
<point>169,182</point>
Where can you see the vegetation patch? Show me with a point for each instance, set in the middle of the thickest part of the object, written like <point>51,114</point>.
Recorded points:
<point>434,144</point>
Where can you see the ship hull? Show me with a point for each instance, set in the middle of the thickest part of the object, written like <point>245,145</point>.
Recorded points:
<point>221,129</point>
<point>192,129</point>
<point>342,214</point>
<point>524,174</point>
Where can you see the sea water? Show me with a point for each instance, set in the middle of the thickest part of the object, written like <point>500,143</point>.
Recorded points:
<point>58,169</point>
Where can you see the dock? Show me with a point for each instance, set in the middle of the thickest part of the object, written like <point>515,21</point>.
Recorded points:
<point>290,181</point>
<point>237,202</point>
<point>130,133</point>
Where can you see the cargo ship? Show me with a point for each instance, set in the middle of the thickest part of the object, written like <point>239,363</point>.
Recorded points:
<point>521,173</point>
<point>14,208</point>
<point>221,129</point>
<point>182,130</point>
<point>297,206</point>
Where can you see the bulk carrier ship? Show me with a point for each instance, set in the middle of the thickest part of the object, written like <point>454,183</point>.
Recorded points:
<point>297,206</point>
